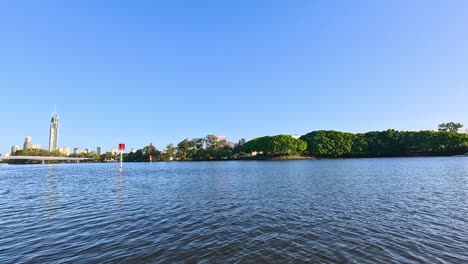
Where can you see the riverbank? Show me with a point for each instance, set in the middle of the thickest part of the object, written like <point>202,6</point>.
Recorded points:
<point>279,158</point>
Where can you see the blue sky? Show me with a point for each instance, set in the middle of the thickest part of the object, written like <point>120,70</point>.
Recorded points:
<point>162,71</point>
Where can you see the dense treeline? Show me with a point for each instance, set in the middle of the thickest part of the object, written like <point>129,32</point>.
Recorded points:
<point>46,153</point>
<point>320,144</point>
<point>389,143</point>
<point>211,148</point>
<point>207,148</point>
<point>37,152</point>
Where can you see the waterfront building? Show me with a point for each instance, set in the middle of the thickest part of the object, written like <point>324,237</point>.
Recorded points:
<point>114,151</point>
<point>134,150</point>
<point>36,146</point>
<point>87,151</point>
<point>64,151</point>
<point>53,135</point>
<point>99,150</point>
<point>14,148</point>
<point>27,143</point>
<point>76,151</point>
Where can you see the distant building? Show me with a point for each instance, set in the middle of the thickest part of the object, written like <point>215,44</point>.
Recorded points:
<point>64,151</point>
<point>36,146</point>
<point>230,144</point>
<point>99,150</point>
<point>221,138</point>
<point>463,131</point>
<point>133,150</point>
<point>76,151</point>
<point>27,143</point>
<point>87,151</point>
<point>114,151</point>
<point>15,148</point>
<point>53,135</point>
<point>6,155</point>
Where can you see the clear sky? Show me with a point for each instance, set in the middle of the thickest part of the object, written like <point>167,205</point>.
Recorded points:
<point>161,71</point>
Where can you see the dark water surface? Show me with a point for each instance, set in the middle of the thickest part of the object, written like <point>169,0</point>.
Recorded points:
<point>361,210</point>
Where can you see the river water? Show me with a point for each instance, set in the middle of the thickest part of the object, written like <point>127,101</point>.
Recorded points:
<point>399,210</point>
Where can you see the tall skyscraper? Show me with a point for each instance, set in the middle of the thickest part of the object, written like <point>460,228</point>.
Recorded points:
<point>99,150</point>
<point>53,136</point>
<point>27,143</point>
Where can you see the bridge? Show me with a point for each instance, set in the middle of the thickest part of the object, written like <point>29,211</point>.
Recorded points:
<point>44,158</point>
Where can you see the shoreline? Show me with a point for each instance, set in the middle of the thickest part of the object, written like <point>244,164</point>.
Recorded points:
<point>260,158</point>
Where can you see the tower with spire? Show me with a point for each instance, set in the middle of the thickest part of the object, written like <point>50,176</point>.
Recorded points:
<point>53,135</point>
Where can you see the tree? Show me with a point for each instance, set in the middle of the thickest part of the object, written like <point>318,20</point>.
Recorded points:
<point>238,150</point>
<point>183,149</point>
<point>276,145</point>
<point>450,126</point>
<point>148,150</point>
<point>329,143</point>
<point>170,151</point>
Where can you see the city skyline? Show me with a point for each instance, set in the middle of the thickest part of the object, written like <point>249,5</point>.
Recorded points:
<point>159,72</point>
<point>53,142</point>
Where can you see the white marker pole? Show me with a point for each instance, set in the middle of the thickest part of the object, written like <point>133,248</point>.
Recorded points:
<point>122,148</point>
<point>121,154</point>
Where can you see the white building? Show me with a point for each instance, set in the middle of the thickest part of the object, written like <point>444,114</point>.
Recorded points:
<point>36,146</point>
<point>64,151</point>
<point>15,148</point>
<point>99,150</point>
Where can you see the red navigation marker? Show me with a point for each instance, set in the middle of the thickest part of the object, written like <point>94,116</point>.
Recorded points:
<point>121,146</point>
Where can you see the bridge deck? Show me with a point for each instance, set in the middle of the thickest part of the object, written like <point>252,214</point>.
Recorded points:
<point>42,158</point>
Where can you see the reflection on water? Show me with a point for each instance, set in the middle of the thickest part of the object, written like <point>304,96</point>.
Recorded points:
<point>120,190</point>
<point>50,195</point>
<point>362,210</point>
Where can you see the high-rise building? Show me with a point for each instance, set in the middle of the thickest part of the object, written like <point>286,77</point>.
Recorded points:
<point>76,151</point>
<point>14,148</point>
<point>53,136</point>
<point>99,150</point>
<point>27,143</point>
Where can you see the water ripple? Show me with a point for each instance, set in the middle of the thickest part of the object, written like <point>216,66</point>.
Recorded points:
<point>359,211</point>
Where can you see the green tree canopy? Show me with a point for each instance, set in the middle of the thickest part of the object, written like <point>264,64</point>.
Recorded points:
<point>276,145</point>
<point>389,143</point>
<point>450,126</point>
<point>329,143</point>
